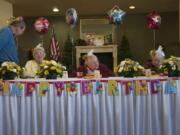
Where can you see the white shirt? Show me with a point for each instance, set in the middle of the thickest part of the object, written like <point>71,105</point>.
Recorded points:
<point>31,68</point>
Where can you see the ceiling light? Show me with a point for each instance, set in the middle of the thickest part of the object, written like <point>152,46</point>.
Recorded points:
<point>132,7</point>
<point>55,9</point>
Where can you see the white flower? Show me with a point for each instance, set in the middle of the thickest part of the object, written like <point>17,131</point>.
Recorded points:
<point>4,64</point>
<point>120,69</point>
<point>54,62</point>
<point>63,67</point>
<point>14,70</point>
<point>171,63</point>
<point>174,68</point>
<point>123,63</point>
<point>45,67</point>
<point>140,67</point>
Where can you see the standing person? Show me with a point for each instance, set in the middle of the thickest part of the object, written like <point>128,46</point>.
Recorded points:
<point>8,35</point>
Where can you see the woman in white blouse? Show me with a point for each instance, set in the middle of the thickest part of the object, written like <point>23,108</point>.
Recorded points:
<point>32,66</point>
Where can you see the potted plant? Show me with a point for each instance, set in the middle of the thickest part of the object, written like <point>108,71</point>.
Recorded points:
<point>10,70</point>
<point>171,67</point>
<point>129,68</point>
<point>51,70</point>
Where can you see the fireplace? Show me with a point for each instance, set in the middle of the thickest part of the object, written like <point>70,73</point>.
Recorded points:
<point>106,54</point>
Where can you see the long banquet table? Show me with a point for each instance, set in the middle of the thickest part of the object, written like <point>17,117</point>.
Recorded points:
<point>74,111</point>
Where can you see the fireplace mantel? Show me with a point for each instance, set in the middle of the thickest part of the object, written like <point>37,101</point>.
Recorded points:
<point>97,49</point>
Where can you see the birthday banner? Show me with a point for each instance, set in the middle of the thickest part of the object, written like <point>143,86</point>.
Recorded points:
<point>90,87</point>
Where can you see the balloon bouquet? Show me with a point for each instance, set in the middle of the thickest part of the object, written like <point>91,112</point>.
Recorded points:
<point>41,26</point>
<point>154,22</point>
<point>71,19</point>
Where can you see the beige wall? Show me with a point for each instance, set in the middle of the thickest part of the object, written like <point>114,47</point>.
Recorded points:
<point>134,27</point>
<point>6,11</point>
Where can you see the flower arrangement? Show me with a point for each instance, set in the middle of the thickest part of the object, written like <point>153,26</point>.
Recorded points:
<point>171,67</point>
<point>51,69</point>
<point>10,70</point>
<point>129,68</point>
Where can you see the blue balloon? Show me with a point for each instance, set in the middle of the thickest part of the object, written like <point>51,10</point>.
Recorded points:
<point>116,15</point>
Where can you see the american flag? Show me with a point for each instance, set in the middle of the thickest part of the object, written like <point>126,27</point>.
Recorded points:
<point>55,51</point>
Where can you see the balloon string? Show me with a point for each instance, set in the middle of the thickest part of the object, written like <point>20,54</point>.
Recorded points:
<point>154,37</point>
<point>72,40</point>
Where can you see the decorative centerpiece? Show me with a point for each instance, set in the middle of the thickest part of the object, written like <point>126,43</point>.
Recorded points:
<point>10,70</point>
<point>171,67</point>
<point>129,68</point>
<point>51,70</point>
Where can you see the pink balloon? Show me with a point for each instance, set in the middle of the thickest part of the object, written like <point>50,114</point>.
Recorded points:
<point>41,25</point>
<point>154,20</point>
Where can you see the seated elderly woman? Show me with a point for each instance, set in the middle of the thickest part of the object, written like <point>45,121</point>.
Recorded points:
<point>32,66</point>
<point>92,64</point>
<point>157,57</point>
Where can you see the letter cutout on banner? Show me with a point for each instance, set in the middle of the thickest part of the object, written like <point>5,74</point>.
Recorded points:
<point>1,85</point>
<point>171,87</point>
<point>86,87</point>
<point>141,87</point>
<point>112,87</point>
<point>30,88</point>
<point>59,86</point>
<point>156,86</point>
<point>99,87</point>
<point>71,87</point>
<point>129,87</point>
<point>6,88</point>
<point>44,87</point>
<point>17,89</point>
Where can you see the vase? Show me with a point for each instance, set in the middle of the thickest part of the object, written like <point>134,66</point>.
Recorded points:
<point>51,77</point>
<point>129,75</point>
<point>174,74</point>
<point>8,77</point>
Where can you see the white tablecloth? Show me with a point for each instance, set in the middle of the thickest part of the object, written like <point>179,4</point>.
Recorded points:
<point>76,114</point>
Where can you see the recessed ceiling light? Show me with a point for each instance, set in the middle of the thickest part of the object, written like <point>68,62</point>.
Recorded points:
<point>132,7</point>
<point>55,9</point>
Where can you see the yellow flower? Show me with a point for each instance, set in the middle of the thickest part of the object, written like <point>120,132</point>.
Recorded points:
<point>46,72</point>
<point>166,71</point>
<point>58,71</point>
<point>135,69</point>
<point>116,68</point>
<point>178,68</point>
<point>53,68</point>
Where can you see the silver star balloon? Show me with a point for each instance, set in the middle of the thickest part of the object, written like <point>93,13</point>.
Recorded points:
<point>116,15</point>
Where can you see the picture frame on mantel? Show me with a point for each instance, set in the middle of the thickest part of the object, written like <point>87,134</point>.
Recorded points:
<point>97,32</point>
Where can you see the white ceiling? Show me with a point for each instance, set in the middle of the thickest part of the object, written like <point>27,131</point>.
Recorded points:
<point>90,7</point>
